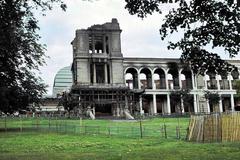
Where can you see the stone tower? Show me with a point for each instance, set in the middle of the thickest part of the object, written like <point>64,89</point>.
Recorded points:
<point>97,57</point>
<point>97,69</point>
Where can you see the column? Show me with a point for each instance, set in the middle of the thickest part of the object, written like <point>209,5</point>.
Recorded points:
<point>126,102</point>
<point>93,44</point>
<point>168,104</point>
<point>104,45</point>
<point>230,81</point>
<point>154,104</point>
<point>179,80</point>
<point>140,105</point>
<point>105,74</point>
<point>149,80</point>
<point>218,84</point>
<point>110,73</point>
<point>208,107</point>
<point>195,103</point>
<point>220,104</point>
<point>94,73</point>
<point>135,80</point>
<point>118,110</point>
<point>193,81</point>
<point>139,82</point>
<point>153,83</point>
<point>205,81</point>
<point>232,102</point>
<point>166,79</point>
<point>182,106</point>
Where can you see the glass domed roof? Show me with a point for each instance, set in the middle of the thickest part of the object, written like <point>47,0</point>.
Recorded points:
<point>62,81</point>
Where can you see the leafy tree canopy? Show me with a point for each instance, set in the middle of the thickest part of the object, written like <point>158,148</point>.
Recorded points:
<point>21,54</point>
<point>69,101</point>
<point>214,23</point>
<point>212,97</point>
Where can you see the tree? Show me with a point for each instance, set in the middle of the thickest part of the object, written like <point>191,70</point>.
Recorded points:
<point>213,99</point>
<point>206,23</point>
<point>69,101</point>
<point>21,54</point>
<point>181,96</point>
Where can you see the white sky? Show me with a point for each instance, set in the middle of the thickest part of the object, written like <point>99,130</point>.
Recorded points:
<point>139,38</point>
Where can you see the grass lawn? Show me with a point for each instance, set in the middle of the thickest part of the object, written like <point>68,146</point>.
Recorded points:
<point>36,146</point>
<point>150,127</point>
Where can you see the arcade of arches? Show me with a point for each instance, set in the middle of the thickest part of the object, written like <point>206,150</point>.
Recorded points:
<point>159,81</point>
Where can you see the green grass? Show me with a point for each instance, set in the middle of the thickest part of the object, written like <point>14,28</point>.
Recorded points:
<point>150,127</point>
<point>36,146</point>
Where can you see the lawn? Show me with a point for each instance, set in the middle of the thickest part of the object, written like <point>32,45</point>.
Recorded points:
<point>75,139</point>
<point>155,127</point>
<point>36,146</point>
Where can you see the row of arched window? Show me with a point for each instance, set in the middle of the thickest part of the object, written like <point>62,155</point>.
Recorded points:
<point>160,78</point>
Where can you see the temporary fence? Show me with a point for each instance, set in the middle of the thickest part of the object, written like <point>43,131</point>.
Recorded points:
<point>163,130</point>
<point>223,127</point>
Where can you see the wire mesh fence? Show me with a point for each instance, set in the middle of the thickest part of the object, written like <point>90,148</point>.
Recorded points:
<point>166,128</point>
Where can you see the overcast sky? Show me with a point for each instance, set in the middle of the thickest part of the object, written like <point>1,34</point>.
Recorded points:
<point>139,38</point>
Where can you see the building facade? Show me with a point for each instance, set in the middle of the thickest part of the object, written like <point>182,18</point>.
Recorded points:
<point>107,83</point>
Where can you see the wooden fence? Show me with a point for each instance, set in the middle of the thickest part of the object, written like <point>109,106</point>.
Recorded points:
<point>215,128</point>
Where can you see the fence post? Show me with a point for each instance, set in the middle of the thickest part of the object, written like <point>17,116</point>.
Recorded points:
<point>141,132</point>
<point>109,131</point>
<point>177,132</point>
<point>165,131</point>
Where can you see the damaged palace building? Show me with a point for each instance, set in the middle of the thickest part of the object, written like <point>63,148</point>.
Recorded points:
<point>109,84</point>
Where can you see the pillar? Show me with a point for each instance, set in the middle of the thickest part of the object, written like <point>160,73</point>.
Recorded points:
<point>135,81</point>
<point>168,104</point>
<point>110,73</point>
<point>126,102</point>
<point>154,104</point>
<point>208,106</point>
<point>140,105</point>
<point>166,79</point>
<point>139,82</point>
<point>149,80</point>
<point>193,81</point>
<point>93,44</point>
<point>205,81</point>
<point>182,106</point>
<point>104,44</point>
<point>118,110</point>
<point>218,83</point>
<point>153,83</point>
<point>179,79</point>
<point>230,81</point>
<point>220,105</point>
<point>105,74</point>
<point>232,102</point>
<point>94,73</point>
<point>195,103</point>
